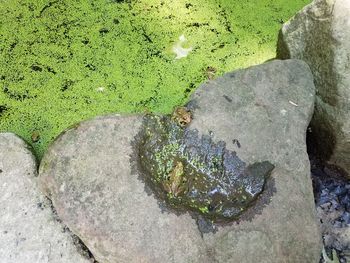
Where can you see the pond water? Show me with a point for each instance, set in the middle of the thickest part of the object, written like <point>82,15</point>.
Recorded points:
<point>65,61</point>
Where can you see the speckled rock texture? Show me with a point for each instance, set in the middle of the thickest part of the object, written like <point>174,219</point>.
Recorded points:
<point>320,35</point>
<point>28,230</point>
<point>261,113</point>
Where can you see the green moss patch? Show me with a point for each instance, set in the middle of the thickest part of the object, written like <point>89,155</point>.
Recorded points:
<point>192,172</point>
<point>65,61</point>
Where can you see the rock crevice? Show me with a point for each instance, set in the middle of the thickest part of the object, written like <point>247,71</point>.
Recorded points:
<point>319,35</point>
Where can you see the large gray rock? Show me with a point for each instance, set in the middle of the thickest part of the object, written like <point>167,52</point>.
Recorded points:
<point>89,175</point>
<point>28,230</point>
<point>267,109</point>
<point>320,35</point>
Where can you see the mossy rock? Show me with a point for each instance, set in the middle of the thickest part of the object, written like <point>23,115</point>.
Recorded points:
<point>211,180</point>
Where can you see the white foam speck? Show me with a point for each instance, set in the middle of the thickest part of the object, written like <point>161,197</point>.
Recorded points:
<point>179,50</point>
<point>100,89</point>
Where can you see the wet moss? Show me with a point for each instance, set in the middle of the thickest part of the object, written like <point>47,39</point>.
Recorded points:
<point>211,180</point>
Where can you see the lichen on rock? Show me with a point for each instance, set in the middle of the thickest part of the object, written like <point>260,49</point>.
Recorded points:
<point>193,172</point>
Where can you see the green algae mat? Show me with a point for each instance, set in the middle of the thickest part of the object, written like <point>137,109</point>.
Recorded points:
<point>65,61</point>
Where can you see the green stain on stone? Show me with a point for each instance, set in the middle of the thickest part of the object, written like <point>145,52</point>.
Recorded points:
<point>192,172</point>
<point>65,61</point>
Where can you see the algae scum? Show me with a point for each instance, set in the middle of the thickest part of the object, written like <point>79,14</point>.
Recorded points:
<point>193,172</point>
<point>65,61</point>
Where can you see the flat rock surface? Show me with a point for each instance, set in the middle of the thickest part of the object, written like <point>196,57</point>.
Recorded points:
<point>28,230</point>
<point>89,175</point>
<point>320,35</point>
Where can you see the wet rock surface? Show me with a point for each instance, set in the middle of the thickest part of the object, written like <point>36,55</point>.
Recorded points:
<point>261,113</point>
<point>209,179</point>
<point>29,231</point>
<point>320,35</point>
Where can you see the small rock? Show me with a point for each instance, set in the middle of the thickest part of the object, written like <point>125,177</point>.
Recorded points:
<point>28,231</point>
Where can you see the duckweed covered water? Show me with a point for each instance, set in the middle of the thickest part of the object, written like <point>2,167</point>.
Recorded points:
<point>65,61</point>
